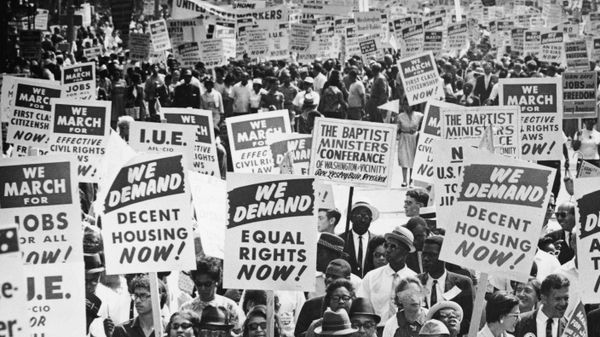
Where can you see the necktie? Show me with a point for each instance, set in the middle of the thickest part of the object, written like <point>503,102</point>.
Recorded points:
<point>549,328</point>
<point>433,293</point>
<point>395,281</point>
<point>360,253</point>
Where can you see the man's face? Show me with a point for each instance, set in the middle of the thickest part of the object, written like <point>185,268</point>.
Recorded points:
<point>333,273</point>
<point>431,254</point>
<point>91,283</point>
<point>487,68</point>
<point>365,324</point>
<point>206,286</point>
<point>187,78</point>
<point>555,304</point>
<point>450,318</point>
<point>361,219</point>
<point>411,207</point>
<point>549,210</point>
<point>395,251</point>
<point>141,298</point>
<point>565,216</point>
<point>323,222</point>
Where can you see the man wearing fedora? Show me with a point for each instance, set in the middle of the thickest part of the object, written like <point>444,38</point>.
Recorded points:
<point>363,318</point>
<point>335,323</point>
<point>379,285</point>
<point>215,322</point>
<point>357,239</point>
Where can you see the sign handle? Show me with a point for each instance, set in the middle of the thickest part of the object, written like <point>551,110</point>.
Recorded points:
<point>350,196</point>
<point>479,305</point>
<point>270,313</point>
<point>155,297</point>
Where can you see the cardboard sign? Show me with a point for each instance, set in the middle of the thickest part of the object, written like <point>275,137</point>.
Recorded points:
<point>541,115</point>
<point>92,52</point>
<point>212,53</point>
<point>41,19</point>
<point>139,46</point>
<point>532,42</point>
<point>257,45</point>
<point>420,78</point>
<point>579,94</point>
<point>247,135</point>
<point>367,23</point>
<point>79,81</point>
<point>552,47</point>
<point>458,36</point>
<point>30,111</point>
<point>297,145</point>
<point>188,54</point>
<point>81,128</point>
<point>577,55</point>
<point>587,215</point>
<point>181,31</point>
<point>588,170</point>
<point>577,324</point>
<point>147,217</point>
<point>433,42</point>
<point>205,159</point>
<point>517,36</point>
<point>39,195</point>
<point>164,138</point>
<point>370,46</point>
<point>159,35</point>
<point>300,37</point>
<point>271,232</point>
<point>412,40</point>
<point>469,124</point>
<point>353,153</point>
<point>496,220</point>
<point>595,49</point>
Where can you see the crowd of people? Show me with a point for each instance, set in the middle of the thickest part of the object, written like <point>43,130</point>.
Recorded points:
<point>366,285</point>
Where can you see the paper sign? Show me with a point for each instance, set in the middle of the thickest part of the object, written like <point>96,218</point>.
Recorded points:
<point>159,35</point>
<point>541,114</point>
<point>532,42</point>
<point>577,325</point>
<point>81,128</point>
<point>552,47</point>
<point>433,41</point>
<point>79,81</point>
<point>41,19</point>
<point>299,147</point>
<point>458,36</point>
<point>579,94</point>
<point>420,78</point>
<point>496,220</point>
<point>92,52</point>
<point>270,232</point>
<point>588,170</point>
<point>353,152</point>
<point>247,135</point>
<point>587,216</point>
<point>139,46</point>
<point>577,56</point>
<point>205,159</point>
<point>147,217</point>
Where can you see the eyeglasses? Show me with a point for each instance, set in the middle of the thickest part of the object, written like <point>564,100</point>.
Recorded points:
<point>365,325</point>
<point>254,326</point>
<point>560,214</point>
<point>141,297</point>
<point>184,326</point>
<point>206,284</point>
<point>343,298</point>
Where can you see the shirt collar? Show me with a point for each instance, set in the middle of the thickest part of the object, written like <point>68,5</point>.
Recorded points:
<point>541,316</point>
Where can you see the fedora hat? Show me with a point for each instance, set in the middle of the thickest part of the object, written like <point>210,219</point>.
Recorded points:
<point>403,235</point>
<point>93,263</point>
<point>215,318</point>
<point>332,242</point>
<point>374,211</point>
<point>433,327</point>
<point>335,323</point>
<point>360,306</point>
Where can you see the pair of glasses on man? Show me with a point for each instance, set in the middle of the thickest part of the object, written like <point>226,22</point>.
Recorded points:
<point>254,326</point>
<point>184,326</point>
<point>341,298</point>
<point>141,297</point>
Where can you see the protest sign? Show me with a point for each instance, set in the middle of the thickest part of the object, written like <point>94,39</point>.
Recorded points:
<point>579,94</point>
<point>271,230</point>
<point>433,42</point>
<point>139,46</point>
<point>496,220</point>
<point>15,320</point>
<point>532,42</point>
<point>159,35</point>
<point>79,81</point>
<point>279,41</point>
<point>423,169</point>
<point>587,216</point>
<point>92,52</point>
<point>40,196</point>
<point>420,78</point>
<point>541,114</point>
<point>458,36</point>
<point>181,31</point>
<point>147,216</point>
<point>30,112</point>
<point>370,47</point>
<point>212,53</point>
<point>247,135</point>
<point>517,36</point>
<point>587,169</point>
<point>552,47</point>
<point>205,159</point>
<point>81,128</point>
<point>412,40</point>
<point>595,55</point>
<point>30,44</point>
<point>300,37</point>
<point>209,195</point>
<point>353,153</point>
<point>367,23</point>
<point>577,324</point>
<point>297,145</point>
<point>257,45</point>
<point>577,56</point>
<point>188,54</point>
<point>41,19</point>
<point>469,124</point>
<point>164,138</point>
<point>432,23</point>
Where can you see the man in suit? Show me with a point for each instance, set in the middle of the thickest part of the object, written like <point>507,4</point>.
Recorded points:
<point>565,215</point>
<point>357,239</point>
<point>548,320</point>
<point>484,84</point>
<point>593,323</point>
<point>443,285</point>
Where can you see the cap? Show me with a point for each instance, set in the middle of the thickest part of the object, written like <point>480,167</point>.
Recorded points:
<point>309,80</point>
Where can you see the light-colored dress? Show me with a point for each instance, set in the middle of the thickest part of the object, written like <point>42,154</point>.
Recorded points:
<point>408,125</point>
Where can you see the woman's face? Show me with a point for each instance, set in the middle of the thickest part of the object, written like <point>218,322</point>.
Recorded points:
<point>257,326</point>
<point>527,295</point>
<point>181,327</point>
<point>410,299</point>
<point>379,259</point>
<point>340,298</point>
<point>511,319</point>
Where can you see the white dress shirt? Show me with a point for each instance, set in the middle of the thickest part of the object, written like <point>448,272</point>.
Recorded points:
<point>441,282</point>
<point>376,287</point>
<point>540,323</point>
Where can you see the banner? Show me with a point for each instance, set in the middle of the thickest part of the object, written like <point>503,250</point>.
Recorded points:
<point>297,146</point>
<point>587,215</point>
<point>327,7</point>
<point>187,9</point>
<point>79,81</point>
<point>271,232</point>
<point>577,55</point>
<point>247,135</point>
<point>159,35</point>
<point>497,218</point>
<point>139,46</point>
<point>469,124</point>
<point>81,128</point>
<point>147,217</point>
<point>552,47</point>
<point>15,319</point>
<point>420,78</point>
<point>30,112</point>
<point>163,138</point>
<point>579,94</point>
<point>541,115</point>
<point>353,153</point>
<point>40,196</point>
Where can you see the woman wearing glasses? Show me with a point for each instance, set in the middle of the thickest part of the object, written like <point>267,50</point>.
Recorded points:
<point>501,315</point>
<point>255,324</point>
<point>184,323</point>
<point>338,295</point>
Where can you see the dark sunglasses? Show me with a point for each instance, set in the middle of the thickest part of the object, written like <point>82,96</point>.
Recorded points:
<point>560,214</point>
<point>254,326</point>
<point>184,326</point>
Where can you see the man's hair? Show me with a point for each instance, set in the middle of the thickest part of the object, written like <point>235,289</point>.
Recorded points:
<point>570,205</point>
<point>210,266</point>
<point>335,214</point>
<point>553,281</point>
<point>434,240</point>
<point>499,304</point>
<point>419,195</point>
<point>339,283</point>
<point>343,265</point>
<point>416,221</point>
<point>143,281</point>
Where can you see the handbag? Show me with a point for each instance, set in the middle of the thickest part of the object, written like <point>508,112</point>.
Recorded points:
<point>568,179</point>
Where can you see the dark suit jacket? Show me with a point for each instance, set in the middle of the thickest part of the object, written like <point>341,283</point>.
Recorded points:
<point>465,298</point>
<point>593,321</point>
<point>311,310</point>
<point>566,252</point>
<point>527,324</point>
<point>412,261</point>
<point>351,252</point>
<point>480,90</point>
